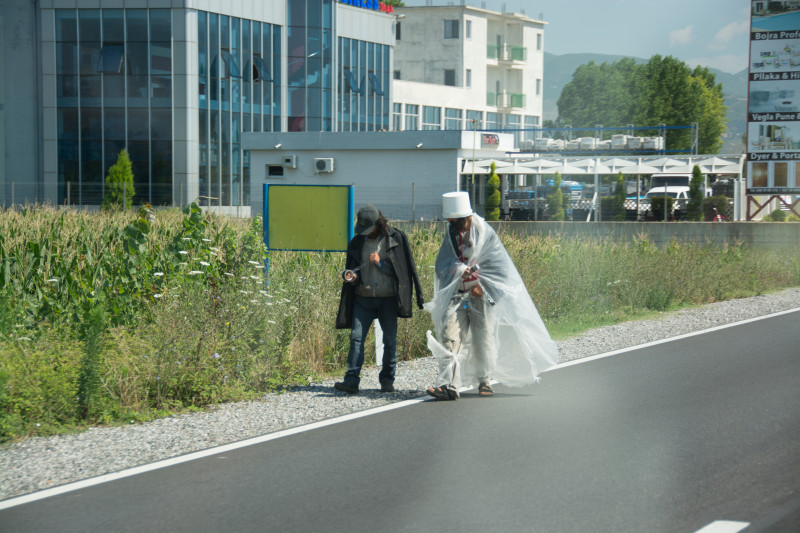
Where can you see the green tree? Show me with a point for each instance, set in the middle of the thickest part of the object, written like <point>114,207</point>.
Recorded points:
<point>555,201</point>
<point>619,198</point>
<point>664,90</point>
<point>119,183</point>
<point>598,94</point>
<point>712,120</point>
<point>694,209</point>
<point>492,208</point>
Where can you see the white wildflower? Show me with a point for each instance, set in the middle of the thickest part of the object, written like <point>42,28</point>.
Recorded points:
<point>229,274</point>
<point>207,240</point>
<point>183,252</point>
<point>156,296</point>
<point>254,262</point>
<point>52,280</point>
<point>204,263</point>
<point>158,274</point>
<point>195,272</point>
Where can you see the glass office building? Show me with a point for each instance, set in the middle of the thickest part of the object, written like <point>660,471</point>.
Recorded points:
<point>177,83</point>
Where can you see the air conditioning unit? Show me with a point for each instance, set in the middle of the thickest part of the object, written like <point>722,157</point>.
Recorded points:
<point>290,161</point>
<point>323,164</point>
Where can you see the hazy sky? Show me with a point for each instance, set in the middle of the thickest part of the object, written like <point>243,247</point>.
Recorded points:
<point>713,33</point>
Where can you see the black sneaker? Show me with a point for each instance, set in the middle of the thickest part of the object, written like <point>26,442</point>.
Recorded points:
<point>343,386</point>
<point>387,387</point>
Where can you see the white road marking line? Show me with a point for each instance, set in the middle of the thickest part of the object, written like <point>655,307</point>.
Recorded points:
<point>723,526</point>
<point>666,340</point>
<point>104,478</point>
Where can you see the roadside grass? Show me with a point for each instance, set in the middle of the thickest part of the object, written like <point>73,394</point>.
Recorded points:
<point>111,318</point>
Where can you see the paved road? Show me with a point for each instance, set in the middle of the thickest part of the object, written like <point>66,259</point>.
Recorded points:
<point>667,438</point>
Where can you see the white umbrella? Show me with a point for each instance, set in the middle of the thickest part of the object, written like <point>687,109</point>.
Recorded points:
<point>716,161</point>
<point>615,162</point>
<point>517,169</point>
<point>638,168</point>
<point>665,162</point>
<point>566,169</point>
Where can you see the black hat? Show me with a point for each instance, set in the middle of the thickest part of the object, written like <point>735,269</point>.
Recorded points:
<point>366,219</point>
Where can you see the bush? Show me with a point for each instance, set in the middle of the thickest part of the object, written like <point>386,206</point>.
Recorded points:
<point>555,201</point>
<point>775,216</point>
<point>720,202</point>
<point>189,341</point>
<point>492,210</point>
<point>657,207</point>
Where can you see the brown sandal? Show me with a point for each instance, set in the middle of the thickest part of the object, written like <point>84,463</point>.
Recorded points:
<point>484,389</point>
<point>445,392</point>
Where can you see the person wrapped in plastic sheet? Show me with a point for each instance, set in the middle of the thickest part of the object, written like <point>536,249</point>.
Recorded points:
<point>487,328</point>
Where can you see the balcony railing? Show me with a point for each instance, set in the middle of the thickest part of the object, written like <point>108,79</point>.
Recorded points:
<point>505,99</point>
<point>507,52</point>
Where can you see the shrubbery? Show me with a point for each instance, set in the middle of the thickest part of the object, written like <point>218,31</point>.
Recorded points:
<point>106,320</point>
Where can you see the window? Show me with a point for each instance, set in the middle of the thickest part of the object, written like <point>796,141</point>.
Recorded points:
<point>492,121</point>
<point>452,119</point>
<point>231,67</point>
<point>450,77</point>
<point>468,78</point>
<point>431,118</point>
<point>396,75</point>
<point>111,59</point>
<point>538,41</point>
<point>474,120</point>
<point>352,82</point>
<point>538,87</point>
<point>376,84</point>
<point>397,30</point>
<point>260,71</point>
<point>468,30</point>
<point>451,29</point>
<point>412,117</point>
<point>397,117</point>
<point>531,124</point>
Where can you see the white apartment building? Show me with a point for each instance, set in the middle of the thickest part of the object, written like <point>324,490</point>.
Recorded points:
<point>457,64</point>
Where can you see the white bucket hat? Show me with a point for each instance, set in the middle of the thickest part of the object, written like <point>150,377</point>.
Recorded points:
<point>456,205</point>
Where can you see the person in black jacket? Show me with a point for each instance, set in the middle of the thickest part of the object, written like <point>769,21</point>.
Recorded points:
<point>378,278</point>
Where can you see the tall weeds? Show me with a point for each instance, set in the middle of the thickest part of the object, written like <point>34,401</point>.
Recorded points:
<point>117,317</point>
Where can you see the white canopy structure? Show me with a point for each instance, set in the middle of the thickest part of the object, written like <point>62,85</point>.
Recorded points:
<point>521,164</point>
<point>525,163</point>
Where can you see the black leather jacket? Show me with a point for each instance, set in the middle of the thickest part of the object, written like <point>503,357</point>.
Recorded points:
<point>406,278</point>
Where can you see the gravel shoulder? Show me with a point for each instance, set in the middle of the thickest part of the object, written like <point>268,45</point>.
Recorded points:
<point>44,462</point>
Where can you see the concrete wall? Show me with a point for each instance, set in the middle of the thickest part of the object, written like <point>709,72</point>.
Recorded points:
<point>768,236</point>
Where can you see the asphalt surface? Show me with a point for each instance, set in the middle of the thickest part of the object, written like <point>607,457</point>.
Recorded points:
<point>671,437</point>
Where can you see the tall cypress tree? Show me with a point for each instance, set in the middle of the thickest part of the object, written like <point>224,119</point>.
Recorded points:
<point>119,183</point>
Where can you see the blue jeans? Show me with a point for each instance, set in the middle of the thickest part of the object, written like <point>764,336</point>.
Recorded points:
<point>365,310</point>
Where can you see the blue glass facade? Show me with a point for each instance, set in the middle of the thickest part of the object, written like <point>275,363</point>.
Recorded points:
<point>136,78</point>
<point>310,65</point>
<point>114,91</point>
<point>239,71</point>
<point>364,86</point>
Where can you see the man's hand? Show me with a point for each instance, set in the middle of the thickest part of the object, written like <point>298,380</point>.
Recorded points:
<point>477,291</point>
<point>374,258</point>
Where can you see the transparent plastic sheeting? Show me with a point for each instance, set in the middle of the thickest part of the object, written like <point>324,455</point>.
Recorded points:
<point>524,347</point>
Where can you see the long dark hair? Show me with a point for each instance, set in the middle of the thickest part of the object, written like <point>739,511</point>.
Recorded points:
<point>381,225</point>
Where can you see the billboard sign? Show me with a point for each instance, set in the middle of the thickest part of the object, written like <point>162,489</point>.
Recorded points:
<point>773,109</point>
<point>308,217</point>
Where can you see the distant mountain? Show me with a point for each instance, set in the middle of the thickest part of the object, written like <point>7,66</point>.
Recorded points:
<point>558,71</point>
